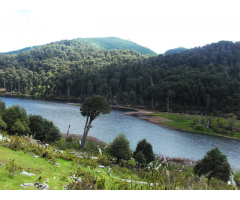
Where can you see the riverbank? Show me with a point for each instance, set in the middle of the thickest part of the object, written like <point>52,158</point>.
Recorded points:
<point>174,121</point>
<point>171,120</point>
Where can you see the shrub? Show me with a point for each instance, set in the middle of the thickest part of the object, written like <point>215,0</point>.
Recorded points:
<point>195,121</point>
<point>132,163</point>
<point>103,160</point>
<point>199,127</point>
<point>16,143</point>
<point>140,158</point>
<point>101,183</point>
<point>12,167</point>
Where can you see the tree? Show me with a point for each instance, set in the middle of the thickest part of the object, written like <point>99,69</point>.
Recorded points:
<point>3,125</point>
<point>120,148</point>
<point>43,129</point>
<point>91,108</point>
<point>140,158</point>
<point>146,148</point>
<point>214,164</point>
<point>16,119</point>
<point>2,107</point>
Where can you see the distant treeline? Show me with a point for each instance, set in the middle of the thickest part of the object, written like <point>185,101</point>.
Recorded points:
<point>17,51</point>
<point>176,50</point>
<point>206,78</point>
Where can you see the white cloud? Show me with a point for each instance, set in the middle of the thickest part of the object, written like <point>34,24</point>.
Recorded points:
<point>158,25</point>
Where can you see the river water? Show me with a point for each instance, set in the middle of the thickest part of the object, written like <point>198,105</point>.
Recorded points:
<point>165,141</point>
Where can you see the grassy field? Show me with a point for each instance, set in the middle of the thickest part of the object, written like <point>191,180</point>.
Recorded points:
<point>166,177</point>
<point>185,122</point>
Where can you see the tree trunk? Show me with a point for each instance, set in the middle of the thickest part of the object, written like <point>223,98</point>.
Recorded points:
<point>167,104</point>
<point>85,133</point>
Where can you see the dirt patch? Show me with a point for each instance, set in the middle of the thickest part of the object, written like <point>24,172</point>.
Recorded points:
<point>154,119</point>
<point>139,112</point>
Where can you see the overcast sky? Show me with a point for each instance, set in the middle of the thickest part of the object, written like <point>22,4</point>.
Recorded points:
<point>158,25</point>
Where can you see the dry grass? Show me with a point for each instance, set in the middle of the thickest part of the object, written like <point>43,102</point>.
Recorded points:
<point>89,138</point>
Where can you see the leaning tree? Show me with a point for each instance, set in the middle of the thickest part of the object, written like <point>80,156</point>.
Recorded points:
<point>91,108</point>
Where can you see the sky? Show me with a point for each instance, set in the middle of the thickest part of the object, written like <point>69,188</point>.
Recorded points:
<point>158,25</point>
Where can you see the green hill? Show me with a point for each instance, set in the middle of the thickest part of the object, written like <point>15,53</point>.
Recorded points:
<point>176,50</point>
<point>116,43</point>
<point>18,51</point>
<point>205,79</point>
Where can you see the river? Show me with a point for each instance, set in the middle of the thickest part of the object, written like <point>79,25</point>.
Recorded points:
<point>165,141</point>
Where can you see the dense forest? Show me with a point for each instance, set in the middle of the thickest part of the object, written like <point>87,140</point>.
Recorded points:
<point>176,50</point>
<point>18,51</point>
<point>206,79</point>
<point>116,43</point>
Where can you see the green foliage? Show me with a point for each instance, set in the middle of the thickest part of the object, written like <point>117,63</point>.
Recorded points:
<point>95,106</point>
<point>101,183</point>
<point>91,108</point>
<point>214,164</point>
<point>12,167</point>
<point>146,149</point>
<point>199,127</point>
<point>69,139</point>
<point>88,181</point>
<point>139,157</point>
<point>43,129</point>
<point>16,143</point>
<point>3,125</point>
<point>132,163</point>
<point>176,50</point>
<point>16,119</point>
<point>104,160</point>
<point>2,107</point>
<point>120,148</point>
<point>63,178</point>
<point>195,121</point>
<point>78,69</point>
<point>115,43</point>
<point>162,179</point>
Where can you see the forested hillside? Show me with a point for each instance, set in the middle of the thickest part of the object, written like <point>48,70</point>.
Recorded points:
<point>18,51</point>
<point>203,79</point>
<point>116,43</point>
<point>176,50</point>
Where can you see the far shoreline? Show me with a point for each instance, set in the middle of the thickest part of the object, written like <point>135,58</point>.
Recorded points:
<point>153,119</point>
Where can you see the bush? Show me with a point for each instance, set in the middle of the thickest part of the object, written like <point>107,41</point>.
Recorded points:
<point>12,167</point>
<point>120,148</point>
<point>132,163</point>
<point>101,183</point>
<point>140,158</point>
<point>199,127</point>
<point>103,160</point>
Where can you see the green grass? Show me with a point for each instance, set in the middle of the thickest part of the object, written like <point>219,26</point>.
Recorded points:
<point>79,166</point>
<point>38,166</point>
<point>41,167</point>
<point>183,122</point>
